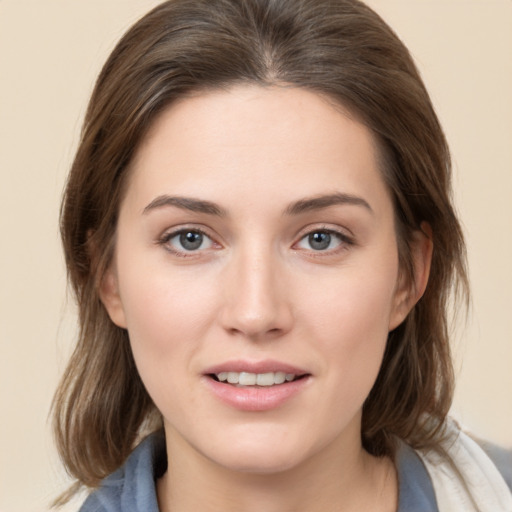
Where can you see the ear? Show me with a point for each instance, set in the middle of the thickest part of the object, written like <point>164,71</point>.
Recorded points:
<point>110,297</point>
<point>408,293</point>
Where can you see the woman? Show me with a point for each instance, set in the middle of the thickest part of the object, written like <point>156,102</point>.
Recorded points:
<point>259,232</point>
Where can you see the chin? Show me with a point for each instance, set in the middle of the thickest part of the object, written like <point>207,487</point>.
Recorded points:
<point>260,462</point>
<point>259,454</point>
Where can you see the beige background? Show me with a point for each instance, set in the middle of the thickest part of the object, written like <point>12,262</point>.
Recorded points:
<point>50,53</point>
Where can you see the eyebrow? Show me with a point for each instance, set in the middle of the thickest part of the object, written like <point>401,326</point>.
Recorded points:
<point>296,208</point>
<point>186,203</point>
<point>325,201</point>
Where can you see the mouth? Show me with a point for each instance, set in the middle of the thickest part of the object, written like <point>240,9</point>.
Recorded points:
<point>256,380</point>
<point>256,386</point>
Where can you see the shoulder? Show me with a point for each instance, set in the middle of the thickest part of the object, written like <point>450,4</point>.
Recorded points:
<point>422,489</point>
<point>502,459</point>
<point>464,476</point>
<point>416,491</point>
<point>132,487</point>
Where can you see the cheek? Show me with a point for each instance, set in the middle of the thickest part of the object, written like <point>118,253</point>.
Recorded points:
<point>165,332</point>
<point>351,319</point>
<point>357,336</point>
<point>160,302</point>
<point>167,315</point>
<point>355,306</point>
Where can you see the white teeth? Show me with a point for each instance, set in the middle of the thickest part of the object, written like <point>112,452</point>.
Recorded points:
<point>265,379</point>
<point>252,379</point>
<point>233,377</point>
<point>247,379</point>
<point>280,377</point>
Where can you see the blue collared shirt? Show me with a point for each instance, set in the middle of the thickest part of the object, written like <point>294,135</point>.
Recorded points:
<point>132,487</point>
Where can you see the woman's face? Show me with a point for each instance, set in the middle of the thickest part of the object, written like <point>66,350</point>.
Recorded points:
<point>256,243</point>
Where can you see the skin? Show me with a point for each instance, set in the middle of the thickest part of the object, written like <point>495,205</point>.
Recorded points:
<point>256,289</point>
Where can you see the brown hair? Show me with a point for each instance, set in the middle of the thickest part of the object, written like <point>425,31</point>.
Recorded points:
<point>338,48</point>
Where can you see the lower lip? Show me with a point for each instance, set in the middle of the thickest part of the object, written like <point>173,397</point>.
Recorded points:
<point>256,398</point>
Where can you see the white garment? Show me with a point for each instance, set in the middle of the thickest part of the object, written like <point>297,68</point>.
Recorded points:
<point>479,487</point>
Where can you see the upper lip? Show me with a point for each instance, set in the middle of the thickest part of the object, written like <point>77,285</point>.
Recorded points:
<point>265,366</point>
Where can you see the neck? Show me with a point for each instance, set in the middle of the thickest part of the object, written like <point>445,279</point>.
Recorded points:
<point>336,479</point>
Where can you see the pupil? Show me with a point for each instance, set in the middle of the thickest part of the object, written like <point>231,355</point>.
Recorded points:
<point>191,241</point>
<point>319,240</point>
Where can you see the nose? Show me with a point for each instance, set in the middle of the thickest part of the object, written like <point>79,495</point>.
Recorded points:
<point>256,299</point>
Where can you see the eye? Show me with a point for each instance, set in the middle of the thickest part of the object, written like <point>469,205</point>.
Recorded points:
<point>187,241</point>
<point>323,240</point>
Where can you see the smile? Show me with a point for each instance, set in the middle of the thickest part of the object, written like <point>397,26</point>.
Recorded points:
<point>255,379</point>
<point>256,386</point>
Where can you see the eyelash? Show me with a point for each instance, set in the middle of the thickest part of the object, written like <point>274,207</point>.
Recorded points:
<point>345,241</point>
<point>166,238</point>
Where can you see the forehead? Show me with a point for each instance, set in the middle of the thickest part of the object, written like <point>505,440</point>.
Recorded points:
<point>256,140</point>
